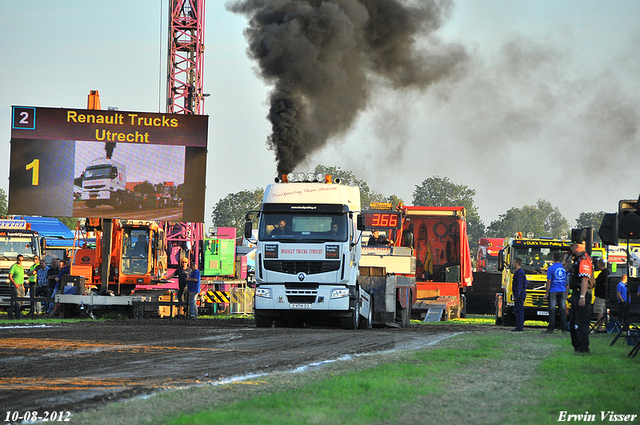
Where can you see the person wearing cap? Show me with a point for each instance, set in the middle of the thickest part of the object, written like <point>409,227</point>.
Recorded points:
<point>580,274</point>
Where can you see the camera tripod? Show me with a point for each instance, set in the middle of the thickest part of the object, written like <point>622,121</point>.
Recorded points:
<point>626,324</point>
<point>604,321</point>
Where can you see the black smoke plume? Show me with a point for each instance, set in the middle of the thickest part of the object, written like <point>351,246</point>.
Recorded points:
<point>109,147</point>
<point>323,58</point>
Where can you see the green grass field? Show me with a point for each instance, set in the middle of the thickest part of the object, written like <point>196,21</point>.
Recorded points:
<point>473,378</point>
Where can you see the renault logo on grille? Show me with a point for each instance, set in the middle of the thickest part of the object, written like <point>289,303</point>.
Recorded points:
<point>301,276</point>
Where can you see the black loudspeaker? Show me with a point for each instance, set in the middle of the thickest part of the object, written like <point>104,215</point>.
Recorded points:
<point>628,220</point>
<point>608,231</point>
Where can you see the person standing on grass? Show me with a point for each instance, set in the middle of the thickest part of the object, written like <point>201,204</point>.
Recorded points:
<point>557,293</point>
<point>519,290</point>
<point>16,278</point>
<point>182,273</point>
<point>193,289</point>
<point>580,297</point>
<point>622,293</point>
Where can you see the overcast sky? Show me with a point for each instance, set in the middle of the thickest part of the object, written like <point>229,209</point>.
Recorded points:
<point>548,106</point>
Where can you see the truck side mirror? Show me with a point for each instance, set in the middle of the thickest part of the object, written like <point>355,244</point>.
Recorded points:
<point>43,244</point>
<point>248,226</point>
<point>361,224</point>
<point>501,260</point>
<point>248,229</point>
<point>160,241</point>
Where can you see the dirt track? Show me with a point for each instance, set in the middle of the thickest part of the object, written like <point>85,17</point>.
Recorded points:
<point>76,366</point>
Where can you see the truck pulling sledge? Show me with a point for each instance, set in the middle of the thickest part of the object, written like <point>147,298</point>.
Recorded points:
<point>436,238</point>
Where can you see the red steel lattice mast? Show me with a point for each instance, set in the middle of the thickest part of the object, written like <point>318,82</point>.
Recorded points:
<point>186,57</point>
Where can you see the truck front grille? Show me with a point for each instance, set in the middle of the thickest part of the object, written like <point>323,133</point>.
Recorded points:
<point>303,299</point>
<point>308,267</point>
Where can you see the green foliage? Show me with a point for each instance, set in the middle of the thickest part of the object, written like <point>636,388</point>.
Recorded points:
<point>439,191</point>
<point>145,187</point>
<point>542,219</point>
<point>70,222</point>
<point>591,219</point>
<point>231,210</point>
<point>3,203</point>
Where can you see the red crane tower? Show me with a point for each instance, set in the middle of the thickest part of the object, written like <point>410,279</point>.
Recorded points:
<point>186,57</point>
<point>185,93</point>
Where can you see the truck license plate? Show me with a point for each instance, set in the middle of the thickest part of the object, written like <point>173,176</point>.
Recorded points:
<point>299,305</point>
<point>542,313</point>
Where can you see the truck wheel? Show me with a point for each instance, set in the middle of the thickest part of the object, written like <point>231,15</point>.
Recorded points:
<point>353,321</point>
<point>368,322</point>
<point>263,321</point>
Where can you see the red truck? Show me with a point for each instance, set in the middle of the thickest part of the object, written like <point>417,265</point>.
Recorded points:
<point>437,237</point>
<point>487,256</point>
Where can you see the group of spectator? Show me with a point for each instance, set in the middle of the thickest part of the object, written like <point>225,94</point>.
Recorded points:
<point>574,279</point>
<point>189,285</point>
<point>42,280</point>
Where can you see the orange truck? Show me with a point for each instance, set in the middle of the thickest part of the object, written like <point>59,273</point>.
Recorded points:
<point>137,256</point>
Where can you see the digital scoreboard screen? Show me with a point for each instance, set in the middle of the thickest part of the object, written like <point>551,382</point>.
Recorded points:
<point>382,219</point>
<point>107,164</point>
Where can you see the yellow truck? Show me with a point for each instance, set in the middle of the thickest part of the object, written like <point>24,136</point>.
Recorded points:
<point>537,256</point>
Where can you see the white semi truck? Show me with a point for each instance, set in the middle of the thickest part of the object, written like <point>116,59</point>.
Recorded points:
<point>308,253</point>
<point>104,183</point>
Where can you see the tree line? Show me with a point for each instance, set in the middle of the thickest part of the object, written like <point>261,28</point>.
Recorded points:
<point>540,219</point>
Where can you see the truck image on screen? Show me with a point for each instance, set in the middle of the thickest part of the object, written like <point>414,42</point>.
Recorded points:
<point>104,183</point>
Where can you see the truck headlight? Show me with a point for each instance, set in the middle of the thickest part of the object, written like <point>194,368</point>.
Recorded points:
<point>263,292</point>
<point>339,293</point>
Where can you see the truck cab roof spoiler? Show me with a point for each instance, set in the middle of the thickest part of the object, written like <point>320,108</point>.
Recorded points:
<point>321,208</point>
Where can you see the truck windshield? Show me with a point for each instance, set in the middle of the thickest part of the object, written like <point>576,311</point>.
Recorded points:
<point>534,260</point>
<point>11,246</point>
<point>303,227</point>
<point>135,252</point>
<point>98,172</point>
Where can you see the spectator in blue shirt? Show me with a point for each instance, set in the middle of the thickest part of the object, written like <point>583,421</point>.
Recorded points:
<point>623,297</point>
<point>557,293</point>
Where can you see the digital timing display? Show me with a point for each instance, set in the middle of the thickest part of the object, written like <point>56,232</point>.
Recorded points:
<point>107,164</point>
<point>386,220</point>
